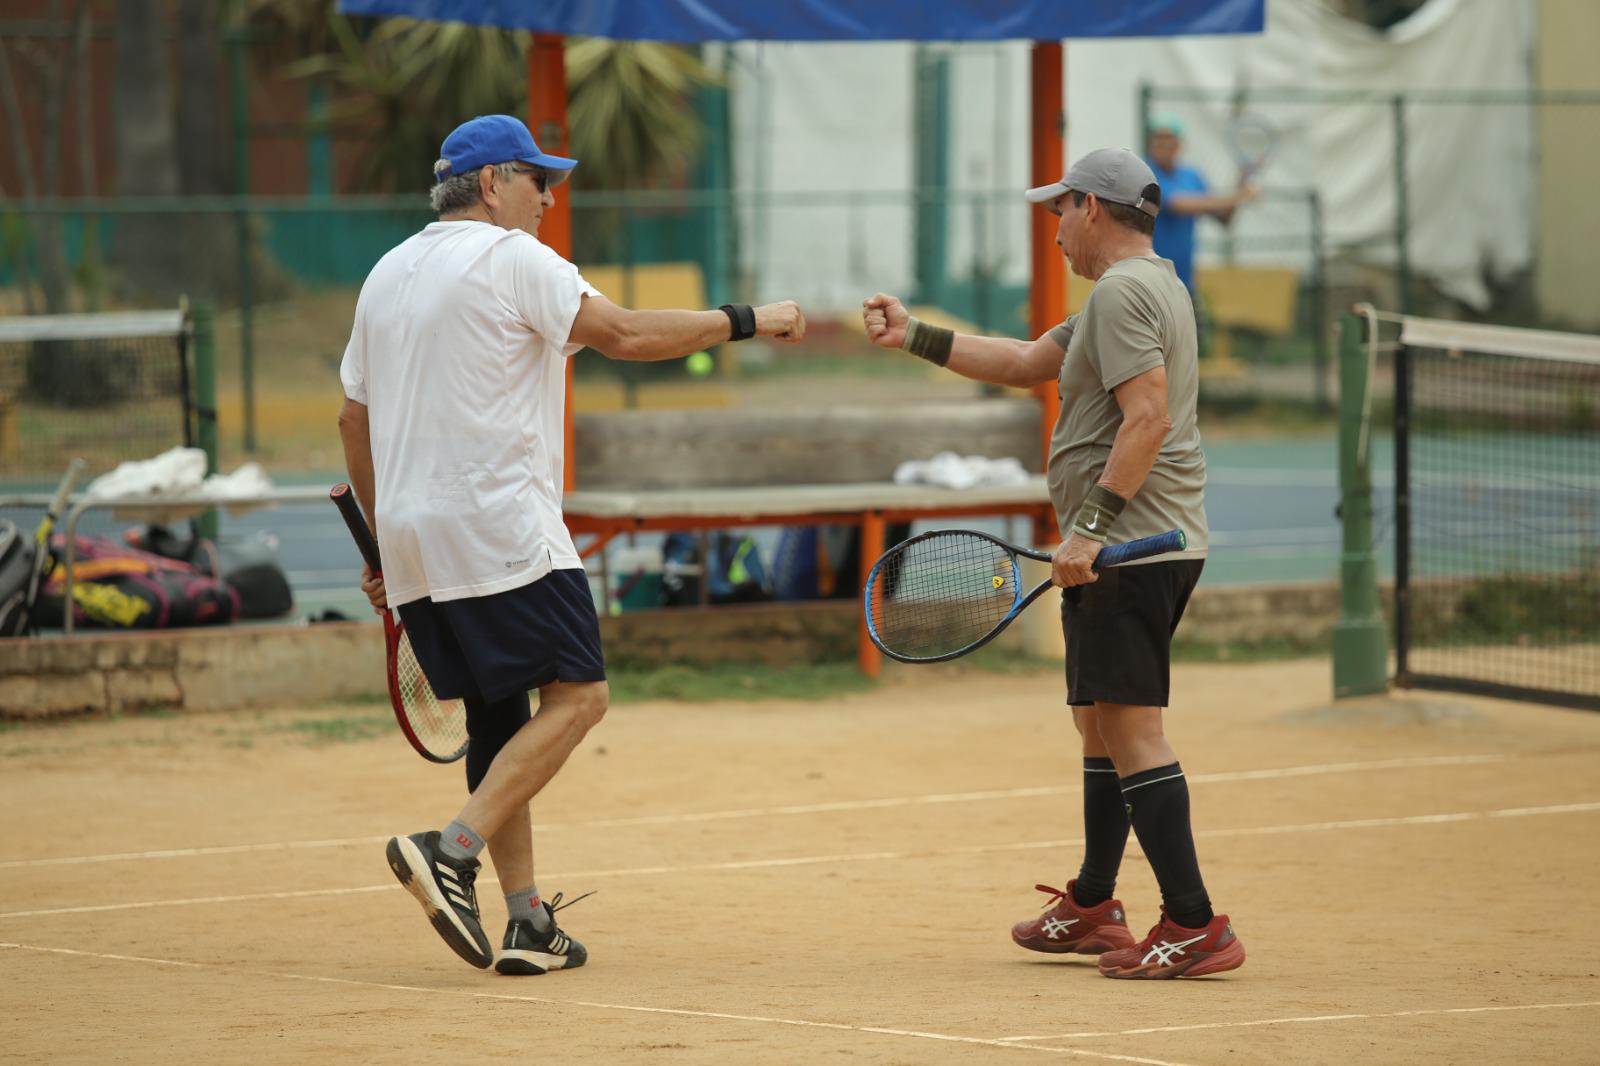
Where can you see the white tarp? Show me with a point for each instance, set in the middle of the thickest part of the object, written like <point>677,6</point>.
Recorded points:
<point>815,123</point>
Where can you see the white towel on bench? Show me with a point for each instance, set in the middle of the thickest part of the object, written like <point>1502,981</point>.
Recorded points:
<point>952,471</point>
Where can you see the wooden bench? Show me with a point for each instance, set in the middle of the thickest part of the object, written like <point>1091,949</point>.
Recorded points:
<point>700,470</point>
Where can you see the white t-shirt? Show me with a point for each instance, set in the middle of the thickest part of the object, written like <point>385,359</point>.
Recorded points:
<point>458,353</point>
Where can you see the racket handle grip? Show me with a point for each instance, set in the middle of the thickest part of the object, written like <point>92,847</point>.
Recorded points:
<point>1172,540</point>
<point>344,498</point>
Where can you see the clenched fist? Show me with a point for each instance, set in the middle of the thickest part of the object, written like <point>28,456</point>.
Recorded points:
<point>885,319</point>
<point>781,321</point>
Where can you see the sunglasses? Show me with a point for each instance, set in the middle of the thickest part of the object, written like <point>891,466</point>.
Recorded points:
<point>540,177</point>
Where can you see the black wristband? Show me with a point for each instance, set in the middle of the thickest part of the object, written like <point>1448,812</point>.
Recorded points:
<point>742,320</point>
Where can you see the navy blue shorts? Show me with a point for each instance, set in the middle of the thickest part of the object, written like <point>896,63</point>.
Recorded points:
<point>511,642</point>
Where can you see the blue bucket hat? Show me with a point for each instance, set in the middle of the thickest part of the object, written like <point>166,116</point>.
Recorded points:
<point>491,139</point>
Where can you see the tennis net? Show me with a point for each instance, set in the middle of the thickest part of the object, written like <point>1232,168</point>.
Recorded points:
<point>1497,511</point>
<point>103,387</point>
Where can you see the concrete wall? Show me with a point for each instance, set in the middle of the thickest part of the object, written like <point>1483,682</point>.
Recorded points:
<point>197,669</point>
<point>284,666</point>
<point>679,449</point>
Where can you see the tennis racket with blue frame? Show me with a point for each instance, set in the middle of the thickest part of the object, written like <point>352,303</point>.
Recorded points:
<point>943,594</point>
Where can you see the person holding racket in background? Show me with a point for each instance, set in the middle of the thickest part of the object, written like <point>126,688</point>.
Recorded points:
<point>452,425</point>
<point>1125,462</point>
<point>1186,197</point>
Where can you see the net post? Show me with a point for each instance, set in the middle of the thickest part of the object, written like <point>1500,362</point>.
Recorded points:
<point>204,319</point>
<point>1360,642</point>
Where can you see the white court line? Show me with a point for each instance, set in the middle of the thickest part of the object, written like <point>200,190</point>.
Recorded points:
<point>856,857</point>
<point>1042,791</point>
<point>1308,1018</point>
<point>676,1012</point>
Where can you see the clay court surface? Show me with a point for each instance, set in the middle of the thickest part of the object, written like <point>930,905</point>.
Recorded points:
<point>1413,878</point>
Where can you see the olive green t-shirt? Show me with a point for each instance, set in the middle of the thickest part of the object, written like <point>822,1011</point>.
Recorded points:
<point>1137,318</point>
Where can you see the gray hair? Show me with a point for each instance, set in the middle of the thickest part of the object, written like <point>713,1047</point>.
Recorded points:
<point>458,193</point>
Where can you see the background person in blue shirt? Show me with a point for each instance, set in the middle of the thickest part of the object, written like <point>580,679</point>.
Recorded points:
<point>1185,197</point>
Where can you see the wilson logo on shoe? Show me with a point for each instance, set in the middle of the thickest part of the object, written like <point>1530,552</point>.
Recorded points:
<point>1053,927</point>
<point>1164,952</point>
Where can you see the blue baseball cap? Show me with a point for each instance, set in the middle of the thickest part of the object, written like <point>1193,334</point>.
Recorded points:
<point>491,139</point>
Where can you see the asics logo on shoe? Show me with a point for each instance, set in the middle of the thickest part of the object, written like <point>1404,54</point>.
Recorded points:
<point>1164,952</point>
<point>1053,927</point>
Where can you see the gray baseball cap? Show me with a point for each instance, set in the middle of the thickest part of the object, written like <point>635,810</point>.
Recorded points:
<point>1116,175</point>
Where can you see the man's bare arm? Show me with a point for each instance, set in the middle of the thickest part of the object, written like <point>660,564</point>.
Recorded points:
<point>996,360</point>
<point>1145,424</point>
<point>356,435</point>
<point>1003,361</point>
<point>648,336</point>
<point>1220,208</point>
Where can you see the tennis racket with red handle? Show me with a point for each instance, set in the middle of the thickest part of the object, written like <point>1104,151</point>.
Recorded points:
<point>436,728</point>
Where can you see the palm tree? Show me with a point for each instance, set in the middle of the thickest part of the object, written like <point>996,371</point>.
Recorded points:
<point>628,112</point>
<point>406,83</point>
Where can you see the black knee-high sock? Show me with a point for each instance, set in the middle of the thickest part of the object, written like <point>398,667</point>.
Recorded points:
<point>1105,833</point>
<point>1158,805</point>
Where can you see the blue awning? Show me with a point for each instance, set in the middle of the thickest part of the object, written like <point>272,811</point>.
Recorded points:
<point>839,20</point>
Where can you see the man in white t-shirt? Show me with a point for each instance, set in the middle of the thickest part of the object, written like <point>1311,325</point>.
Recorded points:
<point>452,424</point>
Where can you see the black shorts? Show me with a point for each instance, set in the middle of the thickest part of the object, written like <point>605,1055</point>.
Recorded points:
<point>1119,632</point>
<point>515,641</point>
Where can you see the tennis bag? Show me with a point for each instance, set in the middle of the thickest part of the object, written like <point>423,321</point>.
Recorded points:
<point>16,569</point>
<point>117,587</point>
<point>248,565</point>
<point>735,570</point>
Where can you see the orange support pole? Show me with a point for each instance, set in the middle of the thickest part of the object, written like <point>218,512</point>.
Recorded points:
<point>1047,291</point>
<point>868,658</point>
<point>547,118</point>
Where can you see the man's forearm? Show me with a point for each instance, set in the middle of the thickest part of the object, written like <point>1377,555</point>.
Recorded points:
<point>1133,453</point>
<point>356,436</point>
<point>996,360</point>
<point>655,335</point>
<point>1200,205</point>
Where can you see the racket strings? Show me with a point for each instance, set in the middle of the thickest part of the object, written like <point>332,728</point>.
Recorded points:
<point>439,725</point>
<point>941,594</point>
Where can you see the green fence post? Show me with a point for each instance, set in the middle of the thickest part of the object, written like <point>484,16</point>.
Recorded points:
<point>1319,305</point>
<point>930,149</point>
<point>1360,641</point>
<point>204,318</point>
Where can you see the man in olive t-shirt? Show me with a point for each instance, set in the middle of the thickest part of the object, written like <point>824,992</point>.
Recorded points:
<point>1125,462</point>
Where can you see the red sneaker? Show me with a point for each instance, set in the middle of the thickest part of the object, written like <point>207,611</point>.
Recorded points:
<point>1173,951</point>
<point>1066,927</point>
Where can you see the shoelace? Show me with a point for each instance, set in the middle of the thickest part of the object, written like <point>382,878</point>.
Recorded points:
<point>467,876</point>
<point>1155,933</point>
<point>1055,894</point>
<point>555,935</point>
<point>555,904</point>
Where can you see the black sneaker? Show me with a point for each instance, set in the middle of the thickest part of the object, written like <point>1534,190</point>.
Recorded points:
<point>444,888</point>
<point>525,950</point>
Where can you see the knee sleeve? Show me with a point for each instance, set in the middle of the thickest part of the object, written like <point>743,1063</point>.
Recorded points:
<point>489,726</point>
